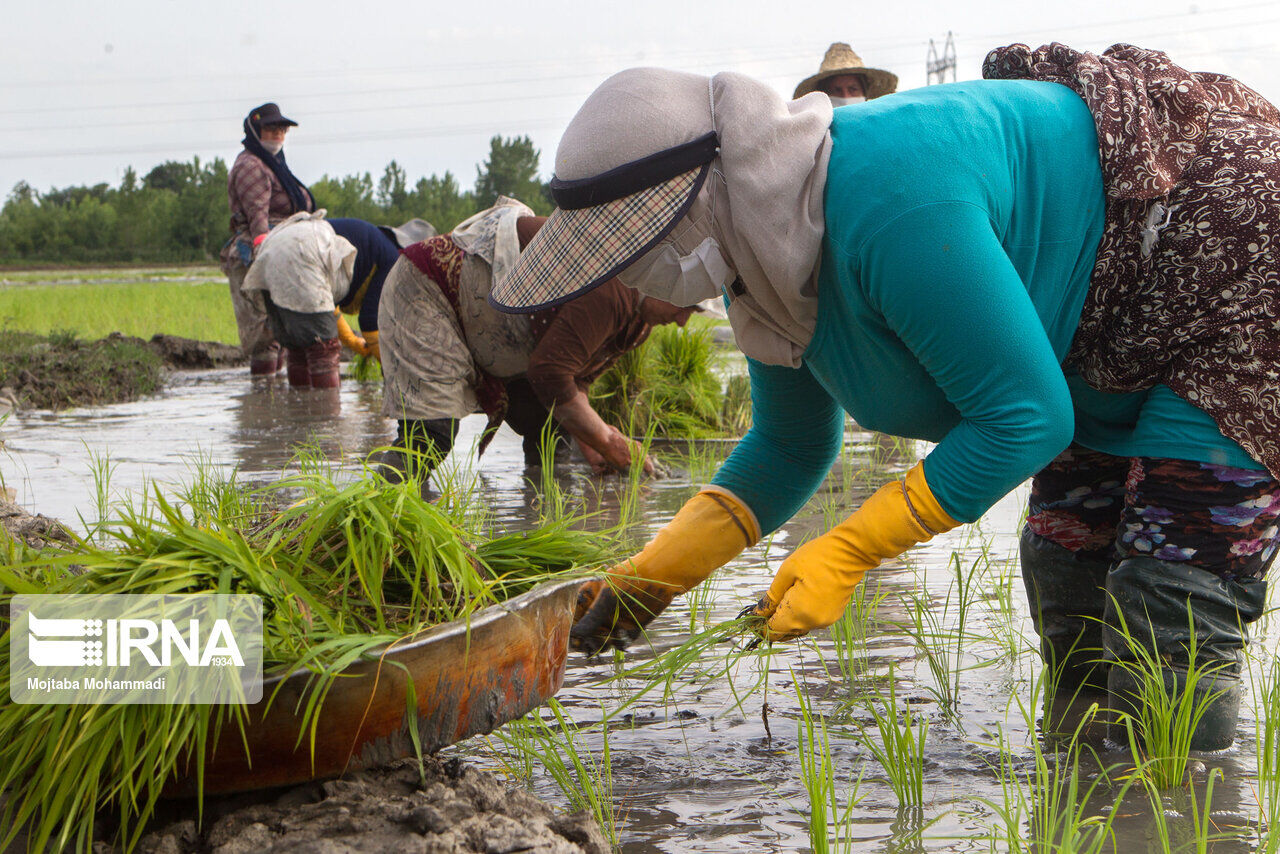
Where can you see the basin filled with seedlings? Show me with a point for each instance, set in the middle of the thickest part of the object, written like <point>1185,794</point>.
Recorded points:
<point>392,626</point>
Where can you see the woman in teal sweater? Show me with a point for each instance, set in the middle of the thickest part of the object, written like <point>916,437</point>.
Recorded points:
<point>984,266</point>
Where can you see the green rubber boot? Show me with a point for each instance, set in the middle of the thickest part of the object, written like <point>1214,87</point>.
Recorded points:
<point>1181,618</point>
<point>1067,596</point>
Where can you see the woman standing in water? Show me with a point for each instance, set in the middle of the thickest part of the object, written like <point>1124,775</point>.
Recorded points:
<point>1066,275</point>
<point>261,191</point>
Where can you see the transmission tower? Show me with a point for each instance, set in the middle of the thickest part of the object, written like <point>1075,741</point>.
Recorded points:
<point>938,66</point>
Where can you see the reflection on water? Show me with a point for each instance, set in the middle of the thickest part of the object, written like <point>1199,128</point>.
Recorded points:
<point>694,766</point>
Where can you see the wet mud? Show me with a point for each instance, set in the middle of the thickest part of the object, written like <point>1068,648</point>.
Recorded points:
<point>450,808</point>
<point>31,529</point>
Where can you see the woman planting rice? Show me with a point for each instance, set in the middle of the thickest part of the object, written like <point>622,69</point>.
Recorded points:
<point>446,353</point>
<point>1066,274</point>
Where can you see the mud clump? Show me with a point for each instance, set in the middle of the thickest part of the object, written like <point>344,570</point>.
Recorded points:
<point>448,809</point>
<point>34,530</point>
<point>59,370</point>
<point>187,353</point>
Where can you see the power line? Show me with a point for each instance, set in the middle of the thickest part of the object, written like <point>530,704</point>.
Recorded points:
<point>221,147</point>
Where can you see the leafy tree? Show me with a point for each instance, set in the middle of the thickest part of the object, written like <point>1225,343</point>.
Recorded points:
<point>511,170</point>
<point>351,195</point>
<point>441,201</point>
<point>171,175</point>
<point>391,187</point>
<point>178,211</point>
<point>23,193</point>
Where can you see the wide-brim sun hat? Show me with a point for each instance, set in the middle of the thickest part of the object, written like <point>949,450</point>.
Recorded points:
<point>626,172</point>
<point>840,59</point>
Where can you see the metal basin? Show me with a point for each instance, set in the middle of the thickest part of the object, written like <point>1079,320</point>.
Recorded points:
<point>469,677</point>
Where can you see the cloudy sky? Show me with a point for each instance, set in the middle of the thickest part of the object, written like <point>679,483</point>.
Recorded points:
<point>88,88</point>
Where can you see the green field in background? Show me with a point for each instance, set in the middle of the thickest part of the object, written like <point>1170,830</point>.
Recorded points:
<point>188,301</point>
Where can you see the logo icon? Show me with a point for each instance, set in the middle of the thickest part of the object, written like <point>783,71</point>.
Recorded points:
<point>47,647</point>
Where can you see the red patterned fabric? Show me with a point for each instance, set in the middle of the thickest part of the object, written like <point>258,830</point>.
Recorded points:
<point>440,259</point>
<point>1185,286</point>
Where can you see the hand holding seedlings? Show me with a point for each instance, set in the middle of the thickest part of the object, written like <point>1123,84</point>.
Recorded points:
<point>709,530</point>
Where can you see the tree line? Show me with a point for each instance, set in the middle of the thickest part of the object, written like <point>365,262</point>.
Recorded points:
<point>177,212</point>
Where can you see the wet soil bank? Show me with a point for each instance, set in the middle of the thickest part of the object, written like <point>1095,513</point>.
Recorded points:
<point>60,371</point>
<point>33,529</point>
<point>449,809</point>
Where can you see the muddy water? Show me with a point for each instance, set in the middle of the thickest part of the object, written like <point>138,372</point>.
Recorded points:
<point>697,765</point>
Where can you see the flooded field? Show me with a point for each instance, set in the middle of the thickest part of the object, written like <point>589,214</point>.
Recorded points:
<point>711,757</point>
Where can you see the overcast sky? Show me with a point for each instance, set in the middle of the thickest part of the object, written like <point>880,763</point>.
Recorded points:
<point>88,88</point>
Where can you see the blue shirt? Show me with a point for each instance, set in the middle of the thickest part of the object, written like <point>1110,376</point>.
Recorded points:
<point>962,225</point>
<point>375,255</point>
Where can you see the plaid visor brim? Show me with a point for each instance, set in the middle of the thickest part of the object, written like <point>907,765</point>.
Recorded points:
<point>578,250</point>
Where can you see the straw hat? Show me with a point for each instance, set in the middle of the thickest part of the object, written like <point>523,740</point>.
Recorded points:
<point>841,59</point>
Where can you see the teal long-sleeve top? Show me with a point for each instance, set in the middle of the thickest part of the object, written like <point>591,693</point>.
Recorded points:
<point>962,224</point>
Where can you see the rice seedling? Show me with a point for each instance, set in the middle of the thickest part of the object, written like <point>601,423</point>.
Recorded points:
<point>1050,797</point>
<point>556,746</point>
<point>699,601</point>
<point>1165,712</point>
<point>343,571</point>
<point>101,468</point>
<point>998,579</point>
<point>942,648</point>
<point>668,386</point>
<point>1198,837</point>
<point>365,369</point>
<point>828,807</point>
<point>735,412</point>
<point>679,663</point>
<point>1266,678</point>
<point>900,746</point>
<point>849,633</point>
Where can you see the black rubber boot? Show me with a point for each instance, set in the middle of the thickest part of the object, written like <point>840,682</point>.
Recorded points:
<point>1163,606</point>
<point>419,446</point>
<point>1067,596</point>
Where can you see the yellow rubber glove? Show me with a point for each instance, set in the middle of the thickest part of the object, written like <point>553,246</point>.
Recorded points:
<point>371,342</point>
<point>353,341</point>
<point>813,585</point>
<point>711,528</point>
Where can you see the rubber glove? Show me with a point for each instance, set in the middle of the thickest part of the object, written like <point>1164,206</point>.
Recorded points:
<point>353,341</point>
<point>813,585</point>
<point>371,342</point>
<point>711,528</point>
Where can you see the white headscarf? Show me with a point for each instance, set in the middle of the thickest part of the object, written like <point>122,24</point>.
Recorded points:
<point>769,177</point>
<point>773,156</point>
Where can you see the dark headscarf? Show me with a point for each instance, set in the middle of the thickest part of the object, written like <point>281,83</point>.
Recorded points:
<point>299,195</point>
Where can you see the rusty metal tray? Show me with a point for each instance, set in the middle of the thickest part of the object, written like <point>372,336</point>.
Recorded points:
<point>470,677</point>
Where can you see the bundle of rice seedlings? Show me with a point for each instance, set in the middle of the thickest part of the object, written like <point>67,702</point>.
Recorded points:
<point>343,571</point>
<point>669,386</point>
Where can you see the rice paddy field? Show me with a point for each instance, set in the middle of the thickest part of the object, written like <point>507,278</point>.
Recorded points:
<point>191,302</point>
<point>915,724</point>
